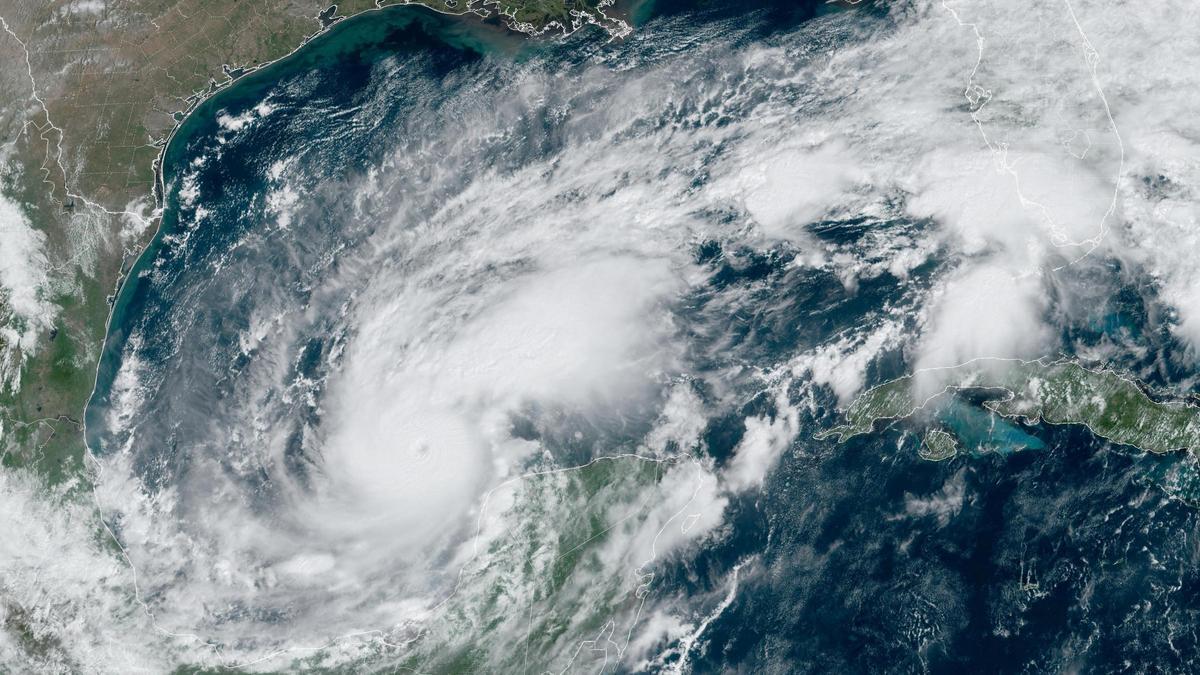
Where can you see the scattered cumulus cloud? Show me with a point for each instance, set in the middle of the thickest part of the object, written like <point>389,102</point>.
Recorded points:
<point>26,311</point>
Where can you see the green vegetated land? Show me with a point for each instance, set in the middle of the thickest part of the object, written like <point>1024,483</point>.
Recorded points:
<point>938,445</point>
<point>1111,405</point>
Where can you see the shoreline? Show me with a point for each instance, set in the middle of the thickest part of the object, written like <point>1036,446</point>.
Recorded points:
<point>470,22</point>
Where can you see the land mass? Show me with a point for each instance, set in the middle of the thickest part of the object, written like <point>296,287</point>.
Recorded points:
<point>1111,405</point>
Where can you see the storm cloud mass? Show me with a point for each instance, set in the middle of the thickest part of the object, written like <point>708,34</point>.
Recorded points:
<point>444,355</point>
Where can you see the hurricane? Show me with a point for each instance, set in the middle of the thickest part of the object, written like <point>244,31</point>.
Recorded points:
<point>457,354</point>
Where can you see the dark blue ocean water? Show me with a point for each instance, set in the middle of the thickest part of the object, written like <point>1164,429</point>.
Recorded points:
<point>1047,551</point>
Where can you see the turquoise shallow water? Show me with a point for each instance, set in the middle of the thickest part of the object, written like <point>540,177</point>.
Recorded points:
<point>981,430</point>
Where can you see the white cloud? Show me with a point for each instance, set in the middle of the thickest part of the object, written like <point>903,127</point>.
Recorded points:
<point>26,311</point>
<point>683,419</point>
<point>943,504</point>
<point>786,188</point>
<point>62,586</point>
<point>842,365</point>
<point>411,410</point>
<point>485,290</point>
<point>984,312</point>
<point>135,220</point>
<point>762,444</point>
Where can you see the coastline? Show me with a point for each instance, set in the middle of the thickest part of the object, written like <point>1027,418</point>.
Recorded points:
<point>460,31</point>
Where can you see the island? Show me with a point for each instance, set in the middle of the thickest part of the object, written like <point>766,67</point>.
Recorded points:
<point>1113,406</point>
